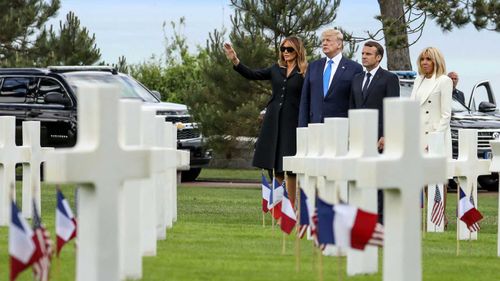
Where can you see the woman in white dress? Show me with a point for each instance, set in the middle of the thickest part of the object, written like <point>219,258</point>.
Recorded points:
<point>433,90</point>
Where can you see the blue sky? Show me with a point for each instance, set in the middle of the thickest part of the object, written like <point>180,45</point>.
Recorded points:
<point>134,29</point>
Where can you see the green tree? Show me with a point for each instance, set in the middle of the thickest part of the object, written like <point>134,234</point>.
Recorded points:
<point>176,76</point>
<point>25,41</point>
<point>403,18</point>
<point>72,45</point>
<point>20,21</point>
<point>229,105</point>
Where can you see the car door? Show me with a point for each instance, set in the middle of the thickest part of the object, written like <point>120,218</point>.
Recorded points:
<point>16,93</point>
<point>481,92</point>
<point>57,120</point>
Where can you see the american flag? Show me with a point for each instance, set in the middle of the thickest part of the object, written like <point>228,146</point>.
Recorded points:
<point>44,248</point>
<point>475,226</point>
<point>437,213</point>
<point>314,230</point>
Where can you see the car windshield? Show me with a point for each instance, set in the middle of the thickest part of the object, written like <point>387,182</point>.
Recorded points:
<point>130,88</point>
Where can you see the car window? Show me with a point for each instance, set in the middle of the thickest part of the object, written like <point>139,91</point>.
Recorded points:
<point>139,89</point>
<point>48,86</point>
<point>18,89</point>
<point>129,87</point>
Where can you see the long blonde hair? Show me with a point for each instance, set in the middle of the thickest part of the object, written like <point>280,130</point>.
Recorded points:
<point>437,58</point>
<point>300,59</point>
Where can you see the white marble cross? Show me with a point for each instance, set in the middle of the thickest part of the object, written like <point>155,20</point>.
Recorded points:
<point>333,140</point>
<point>149,215</point>
<point>99,164</point>
<point>468,167</point>
<point>163,177</point>
<point>296,163</point>
<point>131,256</point>
<point>314,150</point>
<point>495,167</point>
<point>401,171</point>
<point>10,155</point>
<point>363,132</point>
<point>181,160</point>
<point>437,147</point>
<point>31,168</point>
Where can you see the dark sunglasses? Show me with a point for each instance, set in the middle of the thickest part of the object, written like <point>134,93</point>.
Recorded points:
<point>288,49</point>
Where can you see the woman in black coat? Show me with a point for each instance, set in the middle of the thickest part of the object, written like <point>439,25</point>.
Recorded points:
<point>278,133</point>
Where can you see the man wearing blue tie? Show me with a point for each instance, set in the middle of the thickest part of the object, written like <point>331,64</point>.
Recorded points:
<point>327,84</point>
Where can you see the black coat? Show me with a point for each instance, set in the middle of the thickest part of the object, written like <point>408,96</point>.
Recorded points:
<point>277,136</point>
<point>384,84</point>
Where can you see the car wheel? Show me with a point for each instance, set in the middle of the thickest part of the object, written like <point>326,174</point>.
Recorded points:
<point>489,183</point>
<point>190,175</point>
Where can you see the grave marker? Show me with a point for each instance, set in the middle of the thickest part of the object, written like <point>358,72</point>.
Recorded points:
<point>31,168</point>
<point>362,143</point>
<point>401,171</point>
<point>99,164</point>
<point>468,167</point>
<point>10,155</point>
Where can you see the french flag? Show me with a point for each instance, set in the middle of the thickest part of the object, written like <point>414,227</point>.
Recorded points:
<point>347,226</point>
<point>324,227</point>
<point>306,212</point>
<point>266,193</point>
<point>468,213</point>
<point>275,199</point>
<point>288,217</point>
<point>65,222</point>
<point>22,245</point>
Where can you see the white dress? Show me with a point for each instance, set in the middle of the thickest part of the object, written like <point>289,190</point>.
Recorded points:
<point>434,95</point>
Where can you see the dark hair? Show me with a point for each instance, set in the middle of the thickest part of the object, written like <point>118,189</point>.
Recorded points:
<point>380,49</point>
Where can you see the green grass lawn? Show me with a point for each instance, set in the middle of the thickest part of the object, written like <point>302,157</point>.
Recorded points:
<point>219,236</point>
<point>230,174</point>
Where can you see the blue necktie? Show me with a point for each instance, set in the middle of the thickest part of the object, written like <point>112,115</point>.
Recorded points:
<point>326,77</point>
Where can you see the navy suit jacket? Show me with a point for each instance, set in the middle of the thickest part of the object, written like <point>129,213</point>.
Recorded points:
<point>314,105</point>
<point>384,84</point>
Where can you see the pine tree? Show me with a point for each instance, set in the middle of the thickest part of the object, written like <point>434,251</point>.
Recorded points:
<point>19,23</point>
<point>71,45</point>
<point>25,41</point>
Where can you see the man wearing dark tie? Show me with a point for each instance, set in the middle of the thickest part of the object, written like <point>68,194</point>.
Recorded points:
<point>327,84</point>
<point>369,89</point>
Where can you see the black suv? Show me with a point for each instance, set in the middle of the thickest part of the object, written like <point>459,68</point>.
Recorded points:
<point>48,95</point>
<point>480,113</point>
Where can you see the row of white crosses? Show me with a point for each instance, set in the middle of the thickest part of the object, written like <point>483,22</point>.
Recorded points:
<point>322,156</point>
<point>120,178</point>
<point>467,168</point>
<point>30,154</point>
<point>401,172</point>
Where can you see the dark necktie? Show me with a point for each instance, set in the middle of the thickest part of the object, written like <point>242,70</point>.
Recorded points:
<point>364,91</point>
